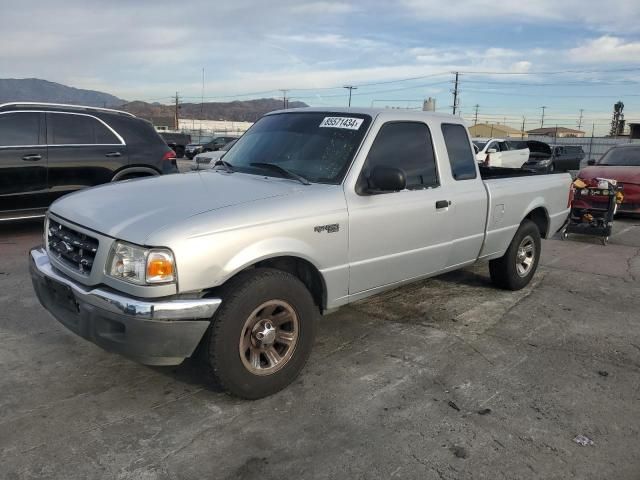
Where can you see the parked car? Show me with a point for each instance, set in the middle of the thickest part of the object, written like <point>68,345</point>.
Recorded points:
<point>49,150</point>
<point>177,141</point>
<point>546,158</point>
<point>312,209</point>
<point>218,143</point>
<point>497,152</point>
<point>208,145</point>
<point>204,160</point>
<point>620,163</point>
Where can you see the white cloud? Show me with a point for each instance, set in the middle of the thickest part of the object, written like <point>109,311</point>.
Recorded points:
<point>594,13</point>
<point>315,8</point>
<point>606,49</point>
<point>327,40</point>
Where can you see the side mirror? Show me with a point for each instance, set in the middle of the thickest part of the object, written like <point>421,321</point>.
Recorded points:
<point>387,179</point>
<point>492,150</point>
<point>591,162</point>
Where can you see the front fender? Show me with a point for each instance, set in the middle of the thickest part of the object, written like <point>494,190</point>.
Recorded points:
<point>264,250</point>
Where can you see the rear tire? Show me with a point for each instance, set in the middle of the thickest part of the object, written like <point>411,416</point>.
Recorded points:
<point>515,269</point>
<point>261,336</point>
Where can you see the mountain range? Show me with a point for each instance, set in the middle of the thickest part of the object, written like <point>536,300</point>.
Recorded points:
<point>38,90</point>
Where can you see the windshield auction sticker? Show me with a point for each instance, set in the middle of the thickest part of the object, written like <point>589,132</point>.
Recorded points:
<point>341,122</point>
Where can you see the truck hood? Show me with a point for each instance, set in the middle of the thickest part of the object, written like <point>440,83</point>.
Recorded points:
<point>132,210</point>
<point>622,174</point>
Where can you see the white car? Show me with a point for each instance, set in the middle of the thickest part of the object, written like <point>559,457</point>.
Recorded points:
<point>497,152</point>
<point>208,159</point>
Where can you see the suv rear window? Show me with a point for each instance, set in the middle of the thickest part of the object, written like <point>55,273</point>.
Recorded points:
<point>74,129</point>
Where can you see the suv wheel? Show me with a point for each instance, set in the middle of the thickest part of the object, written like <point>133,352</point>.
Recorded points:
<point>262,334</point>
<point>517,266</point>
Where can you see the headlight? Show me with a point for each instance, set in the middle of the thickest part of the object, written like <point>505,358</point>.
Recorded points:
<point>140,265</point>
<point>544,162</point>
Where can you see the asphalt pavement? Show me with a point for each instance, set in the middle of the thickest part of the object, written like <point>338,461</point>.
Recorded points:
<point>447,378</point>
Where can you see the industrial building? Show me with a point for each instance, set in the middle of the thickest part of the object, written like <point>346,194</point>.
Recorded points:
<point>490,130</point>
<point>557,132</point>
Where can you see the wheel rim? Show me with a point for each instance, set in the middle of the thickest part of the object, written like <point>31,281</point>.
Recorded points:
<point>525,256</point>
<point>269,337</point>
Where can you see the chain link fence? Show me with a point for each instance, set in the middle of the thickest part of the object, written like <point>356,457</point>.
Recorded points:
<point>594,147</point>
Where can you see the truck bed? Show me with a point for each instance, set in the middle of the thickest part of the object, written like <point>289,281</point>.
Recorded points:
<point>512,194</point>
<point>502,172</point>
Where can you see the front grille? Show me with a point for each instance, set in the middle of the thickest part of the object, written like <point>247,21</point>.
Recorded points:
<point>74,249</point>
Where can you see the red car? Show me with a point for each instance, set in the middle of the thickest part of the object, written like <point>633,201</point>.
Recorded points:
<point>621,163</point>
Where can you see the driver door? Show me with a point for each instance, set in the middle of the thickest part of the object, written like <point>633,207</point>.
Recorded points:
<point>396,236</point>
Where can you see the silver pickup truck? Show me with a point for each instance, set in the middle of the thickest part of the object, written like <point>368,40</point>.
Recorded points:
<point>310,210</point>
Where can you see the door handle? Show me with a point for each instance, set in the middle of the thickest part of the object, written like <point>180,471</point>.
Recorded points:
<point>32,158</point>
<point>113,154</point>
<point>443,204</point>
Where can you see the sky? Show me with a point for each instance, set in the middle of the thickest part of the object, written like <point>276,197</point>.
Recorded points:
<point>514,57</point>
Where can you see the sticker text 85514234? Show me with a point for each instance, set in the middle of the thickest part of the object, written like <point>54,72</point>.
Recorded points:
<point>341,122</point>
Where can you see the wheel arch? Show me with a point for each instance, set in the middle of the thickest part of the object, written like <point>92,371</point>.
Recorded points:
<point>131,170</point>
<point>540,217</point>
<point>298,266</point>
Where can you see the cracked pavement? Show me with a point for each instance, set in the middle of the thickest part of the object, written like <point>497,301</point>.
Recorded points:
<point>526,371</point>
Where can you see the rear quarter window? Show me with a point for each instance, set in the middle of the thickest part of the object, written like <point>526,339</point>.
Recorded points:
<point>461,158</point>
<point>135,131</point>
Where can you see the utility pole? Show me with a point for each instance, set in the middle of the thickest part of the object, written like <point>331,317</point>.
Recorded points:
<point>284,98</point>
<point>175,113</point>
<point>593,131</point>
<point>202,104</point>
<point>455,93</point>
<point>475,118</point>
<point>542,119</point>
<point>580,119</point>
<point>522,131</point>
<point>350,88</point>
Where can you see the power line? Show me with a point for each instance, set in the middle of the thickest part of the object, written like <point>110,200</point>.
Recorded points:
<point>557,72</point>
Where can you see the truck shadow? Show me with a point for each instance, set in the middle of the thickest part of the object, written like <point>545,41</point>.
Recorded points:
<point>192,372</point>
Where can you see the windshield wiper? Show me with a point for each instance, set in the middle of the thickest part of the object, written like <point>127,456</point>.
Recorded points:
<point>282,171</point>
<point>227,166</point>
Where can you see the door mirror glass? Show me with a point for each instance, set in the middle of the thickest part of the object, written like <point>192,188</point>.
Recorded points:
<point>387,179</point>
<point>591,162</point>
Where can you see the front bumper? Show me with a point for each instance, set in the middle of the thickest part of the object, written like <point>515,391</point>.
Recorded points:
<point>152,332</point>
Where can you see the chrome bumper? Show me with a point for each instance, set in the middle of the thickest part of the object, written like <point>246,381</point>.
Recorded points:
<point>162,332</point>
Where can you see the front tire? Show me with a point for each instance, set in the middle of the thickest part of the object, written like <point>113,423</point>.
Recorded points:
<point>515,269</point>
<point>261,336</point>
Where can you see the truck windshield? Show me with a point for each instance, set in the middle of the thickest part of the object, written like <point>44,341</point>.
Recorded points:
<point>480,145</point>
<point>318,146</point>
<point>625,156</point>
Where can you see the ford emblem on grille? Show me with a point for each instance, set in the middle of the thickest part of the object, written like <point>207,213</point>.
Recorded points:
<point>75,250</point>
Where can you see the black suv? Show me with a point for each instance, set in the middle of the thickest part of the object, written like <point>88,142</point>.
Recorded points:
<point>213,145</point>
<point>49,150</point>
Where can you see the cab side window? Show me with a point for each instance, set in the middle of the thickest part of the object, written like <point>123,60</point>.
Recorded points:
<point>408,146</point>
<point>461,157</point>
<point>19,129</point>
<point>71,129</point>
